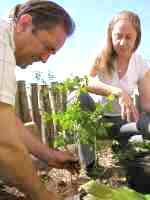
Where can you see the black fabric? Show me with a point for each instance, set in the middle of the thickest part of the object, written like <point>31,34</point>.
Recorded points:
<point>86,102</point>
<point>143,125</point>
<point>138,172</point>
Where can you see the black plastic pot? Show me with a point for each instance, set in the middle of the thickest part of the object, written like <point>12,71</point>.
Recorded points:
<point>138,173</point>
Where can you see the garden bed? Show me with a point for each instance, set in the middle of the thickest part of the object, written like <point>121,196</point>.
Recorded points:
<point>66,185</point>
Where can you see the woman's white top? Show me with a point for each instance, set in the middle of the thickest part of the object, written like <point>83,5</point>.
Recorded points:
<point>136,70</point>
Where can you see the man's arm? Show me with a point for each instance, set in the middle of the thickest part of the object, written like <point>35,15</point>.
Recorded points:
<point>15,162</point>
<point>53,158</point>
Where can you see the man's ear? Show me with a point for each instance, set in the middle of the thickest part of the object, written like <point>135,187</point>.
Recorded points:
<point>24,23</point>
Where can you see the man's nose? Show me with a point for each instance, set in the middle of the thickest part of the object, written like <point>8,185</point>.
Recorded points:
<point>44,57</point>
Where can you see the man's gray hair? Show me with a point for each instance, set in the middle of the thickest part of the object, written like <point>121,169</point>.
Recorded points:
<point>45,15</point>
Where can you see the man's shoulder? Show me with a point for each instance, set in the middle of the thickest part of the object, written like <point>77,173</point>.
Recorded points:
<point>4,23</point>
<point>4,29</point>
<point>6,32</point>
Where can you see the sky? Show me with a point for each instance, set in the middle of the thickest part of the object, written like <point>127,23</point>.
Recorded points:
<point>91,18</point>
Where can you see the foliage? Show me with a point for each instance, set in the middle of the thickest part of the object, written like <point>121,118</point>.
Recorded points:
<point>133,149</point>
<point>76,124</point>
<point>96,190</point>
<point>71,84</point>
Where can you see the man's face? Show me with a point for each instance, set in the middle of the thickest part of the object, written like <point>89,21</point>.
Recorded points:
<point>38,46</point>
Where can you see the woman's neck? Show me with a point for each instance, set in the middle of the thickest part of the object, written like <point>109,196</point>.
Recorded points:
<point>121,65</point>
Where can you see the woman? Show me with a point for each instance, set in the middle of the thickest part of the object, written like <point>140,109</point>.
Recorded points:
<point>118,70</point>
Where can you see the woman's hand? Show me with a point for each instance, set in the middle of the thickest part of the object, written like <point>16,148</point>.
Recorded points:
<point>128,110</point>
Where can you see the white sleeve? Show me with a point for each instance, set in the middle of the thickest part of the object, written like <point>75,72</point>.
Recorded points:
<point>143,66</point>
<point>7,73</point>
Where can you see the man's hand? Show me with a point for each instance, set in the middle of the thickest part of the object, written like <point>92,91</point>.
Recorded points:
<point>53,158</point>
<point>65,160</point>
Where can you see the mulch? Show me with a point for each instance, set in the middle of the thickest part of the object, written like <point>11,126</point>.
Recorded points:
<point>66,184</point>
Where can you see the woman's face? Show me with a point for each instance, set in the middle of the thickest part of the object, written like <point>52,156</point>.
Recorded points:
<point>123,38</point>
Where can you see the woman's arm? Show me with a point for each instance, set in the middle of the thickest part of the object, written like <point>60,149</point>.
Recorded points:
<point>98,87</point>
<point>128,110</point>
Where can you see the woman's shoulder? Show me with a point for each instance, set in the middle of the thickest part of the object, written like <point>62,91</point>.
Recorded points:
<point>139,65</point>
<point>138,61</point>
<point>96,71</point>
<point>138,58</point>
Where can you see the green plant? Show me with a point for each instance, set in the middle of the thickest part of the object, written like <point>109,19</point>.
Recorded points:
<point>96,190</point>
<point>133,149</point>
<point>75,124</point>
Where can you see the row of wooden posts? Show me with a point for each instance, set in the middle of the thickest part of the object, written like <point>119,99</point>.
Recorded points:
<point>33,100</point>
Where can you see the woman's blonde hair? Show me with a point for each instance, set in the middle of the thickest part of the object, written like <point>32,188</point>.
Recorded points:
<point>106,58</point>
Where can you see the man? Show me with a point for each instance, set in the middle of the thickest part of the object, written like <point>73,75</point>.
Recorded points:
<point>36,31</point>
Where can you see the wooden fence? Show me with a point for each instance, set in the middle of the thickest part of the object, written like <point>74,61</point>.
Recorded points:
<point>33,101</point>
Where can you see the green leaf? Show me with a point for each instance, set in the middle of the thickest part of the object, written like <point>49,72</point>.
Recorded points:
<point>98,190</point>
<point>86,124</point>
<point>103,192</point>
<point>147,197</point>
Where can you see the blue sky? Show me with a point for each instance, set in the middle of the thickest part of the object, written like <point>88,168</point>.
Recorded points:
<point>91,18</point>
